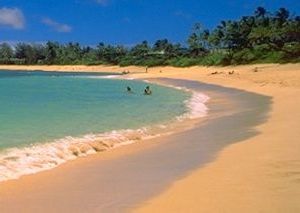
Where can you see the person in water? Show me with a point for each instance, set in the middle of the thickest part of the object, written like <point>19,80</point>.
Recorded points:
<point>147,91</point>
<point>129,89</point>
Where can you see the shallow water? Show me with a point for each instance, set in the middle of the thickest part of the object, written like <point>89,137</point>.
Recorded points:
<point>41,107</point>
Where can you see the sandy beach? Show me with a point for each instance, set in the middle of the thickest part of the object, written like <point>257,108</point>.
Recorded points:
<point>257,172</point>
<point>260,174</point>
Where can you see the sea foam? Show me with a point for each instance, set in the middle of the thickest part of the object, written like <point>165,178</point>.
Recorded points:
<point>196,104</point>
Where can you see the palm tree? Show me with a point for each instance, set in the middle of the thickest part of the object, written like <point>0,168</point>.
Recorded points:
<point>260,12</point>
<point>282,15</point>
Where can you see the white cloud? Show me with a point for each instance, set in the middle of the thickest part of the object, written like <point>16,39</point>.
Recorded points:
<point>59,27</point>
<point>13,43</point>
<point>12,17</point>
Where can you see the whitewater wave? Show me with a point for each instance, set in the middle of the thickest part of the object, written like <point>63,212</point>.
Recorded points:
<point>196,104</point>
<point>16,162</point>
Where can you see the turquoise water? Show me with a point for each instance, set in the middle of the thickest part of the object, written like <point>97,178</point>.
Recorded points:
<point>40,107</point>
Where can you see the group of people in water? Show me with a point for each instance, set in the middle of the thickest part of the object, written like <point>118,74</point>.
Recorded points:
<point>147,90</point>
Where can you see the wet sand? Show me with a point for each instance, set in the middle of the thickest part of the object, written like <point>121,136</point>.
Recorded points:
<point>121,179</point>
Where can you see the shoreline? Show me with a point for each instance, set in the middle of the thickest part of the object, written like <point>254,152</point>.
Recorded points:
<point>254,175</point>
<point>148,170</point>
<point>68,148</point>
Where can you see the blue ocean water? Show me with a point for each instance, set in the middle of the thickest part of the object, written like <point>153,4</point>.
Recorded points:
<point>40,107</point>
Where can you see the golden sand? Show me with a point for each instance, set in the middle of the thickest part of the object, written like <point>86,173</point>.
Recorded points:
<point>261,174</point>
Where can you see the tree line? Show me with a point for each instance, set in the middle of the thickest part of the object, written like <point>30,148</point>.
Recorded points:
<point>263,37</point>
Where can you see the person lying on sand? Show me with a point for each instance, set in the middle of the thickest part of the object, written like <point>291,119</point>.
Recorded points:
<point>125,72</point>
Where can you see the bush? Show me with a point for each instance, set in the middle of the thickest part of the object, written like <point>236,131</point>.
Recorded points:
<point>183,62</point>
<point>271,57</point>
<point>17,61</point>
<point>216,58</point>
<point>243,57</point>
<point>291,52</point>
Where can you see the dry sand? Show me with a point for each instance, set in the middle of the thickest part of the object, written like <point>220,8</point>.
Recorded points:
<point>259,174</point>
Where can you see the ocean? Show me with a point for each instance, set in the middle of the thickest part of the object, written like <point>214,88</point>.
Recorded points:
<point>48,118</point>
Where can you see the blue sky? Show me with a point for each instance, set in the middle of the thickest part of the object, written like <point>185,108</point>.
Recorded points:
<point>119,21</point>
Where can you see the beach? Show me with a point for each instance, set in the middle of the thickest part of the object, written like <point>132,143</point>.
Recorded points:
<point>254,168</point>
<point>260,174</point>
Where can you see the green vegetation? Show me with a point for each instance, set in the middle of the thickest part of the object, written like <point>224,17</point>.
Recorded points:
<point>261,38</point>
